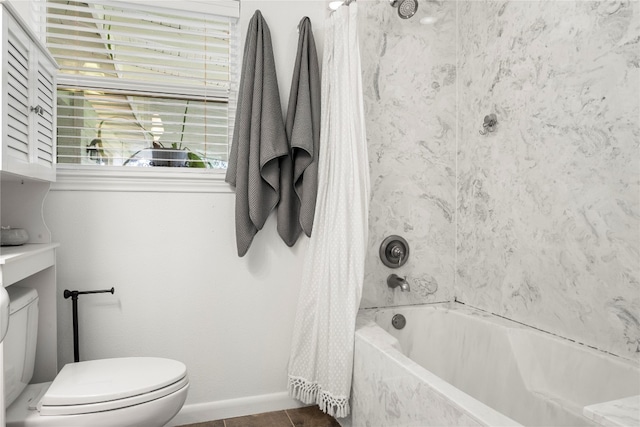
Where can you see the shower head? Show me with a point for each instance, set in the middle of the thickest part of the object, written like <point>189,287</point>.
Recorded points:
<point>406,8</point>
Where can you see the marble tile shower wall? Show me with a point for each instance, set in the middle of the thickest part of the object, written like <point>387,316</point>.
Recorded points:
<point>548,204</point>
<point>538,221</point>
<point>409,87</point>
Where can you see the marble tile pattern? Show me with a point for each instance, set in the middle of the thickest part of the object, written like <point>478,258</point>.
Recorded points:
<point>538,221</point>
<point>409,97</point>
<point>548,205</point>
<point>620,413</point>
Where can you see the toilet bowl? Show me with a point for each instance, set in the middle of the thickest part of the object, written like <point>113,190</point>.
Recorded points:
<point>118,392</point>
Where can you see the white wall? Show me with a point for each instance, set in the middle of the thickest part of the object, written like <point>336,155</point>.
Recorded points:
<point>181,290</point>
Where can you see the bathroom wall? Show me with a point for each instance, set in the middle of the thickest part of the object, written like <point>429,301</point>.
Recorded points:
<point>546,207</point>
<point>409,89</point>
<point>548,204</point>
<point>181,290</point>
<point>538,221</point>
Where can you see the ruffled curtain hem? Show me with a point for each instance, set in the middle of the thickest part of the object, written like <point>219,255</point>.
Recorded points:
<point>310,392</point>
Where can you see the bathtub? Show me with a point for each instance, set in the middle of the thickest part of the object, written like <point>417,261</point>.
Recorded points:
<point>457,366</point>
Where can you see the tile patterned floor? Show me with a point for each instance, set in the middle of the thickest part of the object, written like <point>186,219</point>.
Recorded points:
<point>309,416</point>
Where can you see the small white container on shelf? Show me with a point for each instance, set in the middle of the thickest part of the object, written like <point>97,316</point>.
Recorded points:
<point>13,236</point>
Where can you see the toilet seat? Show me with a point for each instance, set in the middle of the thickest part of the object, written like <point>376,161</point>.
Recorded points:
<point>108,384</point>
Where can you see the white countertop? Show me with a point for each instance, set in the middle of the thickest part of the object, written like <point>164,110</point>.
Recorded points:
<point>14,253</point>
<point>20,262</point>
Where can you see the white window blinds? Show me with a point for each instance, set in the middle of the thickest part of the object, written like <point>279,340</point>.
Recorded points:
<point>142,85</point>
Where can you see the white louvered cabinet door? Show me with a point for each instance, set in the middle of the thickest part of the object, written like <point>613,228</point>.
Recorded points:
<point>28,104</point>
<point>16,77</point>
<point>44,101</point>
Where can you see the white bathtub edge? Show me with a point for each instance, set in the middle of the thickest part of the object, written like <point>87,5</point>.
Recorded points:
<point>375,336</point>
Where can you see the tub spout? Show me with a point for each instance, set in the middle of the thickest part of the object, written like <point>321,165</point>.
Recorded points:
<point>395,281</point>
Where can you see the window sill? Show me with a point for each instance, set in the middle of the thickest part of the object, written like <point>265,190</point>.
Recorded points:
<point>125,179</point>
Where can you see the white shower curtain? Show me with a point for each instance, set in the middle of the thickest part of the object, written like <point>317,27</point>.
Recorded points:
<point>321,361</point>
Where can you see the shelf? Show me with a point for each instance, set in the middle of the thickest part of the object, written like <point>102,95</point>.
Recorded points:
<point>20,262</point>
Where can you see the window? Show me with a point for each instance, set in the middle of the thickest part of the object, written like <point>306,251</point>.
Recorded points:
<point>142,85</point>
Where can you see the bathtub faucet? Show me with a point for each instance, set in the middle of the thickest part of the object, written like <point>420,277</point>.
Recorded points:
<point>394,281</point>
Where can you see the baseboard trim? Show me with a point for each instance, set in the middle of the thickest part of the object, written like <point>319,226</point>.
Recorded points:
<point>201,412</point>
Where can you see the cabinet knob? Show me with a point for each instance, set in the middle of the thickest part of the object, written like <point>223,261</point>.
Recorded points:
<point>38,109</point>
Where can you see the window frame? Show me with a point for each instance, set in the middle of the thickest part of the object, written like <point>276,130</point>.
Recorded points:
<point>75,177</point>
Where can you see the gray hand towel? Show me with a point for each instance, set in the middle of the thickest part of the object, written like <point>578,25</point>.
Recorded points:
<point>299,171</point>
<point>259,137</point>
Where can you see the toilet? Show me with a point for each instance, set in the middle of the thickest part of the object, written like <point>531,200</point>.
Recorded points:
<point>118,392</point>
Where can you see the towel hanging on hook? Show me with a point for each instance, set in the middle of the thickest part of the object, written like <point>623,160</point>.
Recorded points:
<point>299,170</point>
<point>259,137</point>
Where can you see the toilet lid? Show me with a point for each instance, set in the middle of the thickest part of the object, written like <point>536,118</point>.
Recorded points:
<point>108,380</point>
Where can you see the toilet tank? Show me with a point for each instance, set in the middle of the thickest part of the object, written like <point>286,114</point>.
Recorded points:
<point>20,341</point>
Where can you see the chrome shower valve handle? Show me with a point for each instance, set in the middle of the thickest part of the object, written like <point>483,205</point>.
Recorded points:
<point>394,251</point>
<point>397,252</point>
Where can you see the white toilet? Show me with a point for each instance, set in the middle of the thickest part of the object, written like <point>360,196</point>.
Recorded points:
<point>121,392</point>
